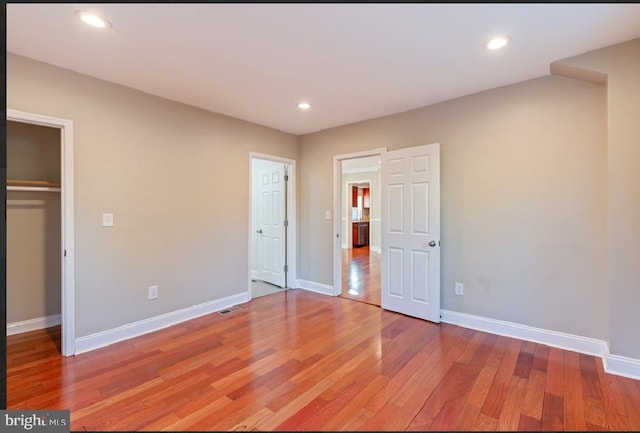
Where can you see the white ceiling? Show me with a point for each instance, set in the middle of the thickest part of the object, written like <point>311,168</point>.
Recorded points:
<point>351,61</point>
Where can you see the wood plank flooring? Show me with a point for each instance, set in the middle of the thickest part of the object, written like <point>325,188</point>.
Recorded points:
<point>361,275</point>
<point>304,361</point>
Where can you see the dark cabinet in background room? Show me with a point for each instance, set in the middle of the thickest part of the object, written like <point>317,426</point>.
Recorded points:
<point>360,234</point>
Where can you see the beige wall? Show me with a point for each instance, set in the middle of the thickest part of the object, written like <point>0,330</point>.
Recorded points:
<point>33,224</point>
<point>176,179</point>
<point>621,63</point>
<point>523,199</point>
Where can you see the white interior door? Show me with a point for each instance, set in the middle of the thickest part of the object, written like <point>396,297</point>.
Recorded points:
<point>411,231</point>
<point>271,230</point>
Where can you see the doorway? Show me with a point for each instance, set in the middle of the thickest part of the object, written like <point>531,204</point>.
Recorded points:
<point>409,229</point>
<point>359,227</point>
<point>272,222</point>
<point>61,273</point>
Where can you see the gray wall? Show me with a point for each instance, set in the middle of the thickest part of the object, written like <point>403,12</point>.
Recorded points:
<point>523,199</point>
<point>621,63</point>
<point>176,179</point>
<point>33,224</point>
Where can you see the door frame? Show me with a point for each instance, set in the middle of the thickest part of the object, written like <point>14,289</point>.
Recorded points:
<point>337,211</point>
<point>67,217</point>
<point>291,232</point>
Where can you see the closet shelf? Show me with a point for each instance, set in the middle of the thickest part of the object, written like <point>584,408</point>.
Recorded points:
<point>32,185</point>
<point>41,183</point>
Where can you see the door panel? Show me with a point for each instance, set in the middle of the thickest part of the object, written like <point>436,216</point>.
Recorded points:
<point>395,208</point>
<point>420,208</point>
<point>419,274</point>
<point>396,260</point>
<point>410,266</point>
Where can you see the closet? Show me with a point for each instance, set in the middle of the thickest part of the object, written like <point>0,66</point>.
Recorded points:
<point>34,246</point>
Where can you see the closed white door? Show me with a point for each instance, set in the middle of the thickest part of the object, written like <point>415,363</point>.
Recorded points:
<point>411,232</point>
<point>271,230</point>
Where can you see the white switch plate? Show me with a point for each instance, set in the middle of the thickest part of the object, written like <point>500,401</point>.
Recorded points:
<point>327,214</point>
<point>107,220</point>
<point>153,292</point>
<point>459,289</point>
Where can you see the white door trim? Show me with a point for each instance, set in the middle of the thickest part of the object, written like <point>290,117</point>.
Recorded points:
<point>67,217</point>
<point>292,230</point>
<point>337,211</point>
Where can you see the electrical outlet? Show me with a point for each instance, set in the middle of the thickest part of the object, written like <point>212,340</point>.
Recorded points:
<point>459,289</point>
<point>153,292</point>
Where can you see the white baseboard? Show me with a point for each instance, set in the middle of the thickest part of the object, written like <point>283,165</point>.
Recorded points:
<point>312,286</point>
<point>613,364</point>
<point>623,366</point>
<point>121,333</point>
<point>33,324</point>
<point>587,345</point>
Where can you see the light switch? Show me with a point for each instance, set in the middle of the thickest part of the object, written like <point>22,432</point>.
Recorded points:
<point>107,220</point>
<point>327,214</point>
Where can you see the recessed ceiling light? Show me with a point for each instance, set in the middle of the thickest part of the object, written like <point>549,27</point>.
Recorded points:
<point>93,20</point>
<point>304,105</point>
<point>497,43</point>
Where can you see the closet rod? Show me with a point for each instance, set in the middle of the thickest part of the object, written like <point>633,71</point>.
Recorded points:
<point>32,188</point>
<point>32,185</point>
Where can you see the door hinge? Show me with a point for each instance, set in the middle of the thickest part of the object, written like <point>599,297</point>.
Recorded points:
<point>65,253</point>
<point>286,177</point>
<point>438,243</point>
<point>286,223</point>
<point>286,268</point>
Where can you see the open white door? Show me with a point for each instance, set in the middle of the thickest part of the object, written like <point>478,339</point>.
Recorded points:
<point>411,231</point>
<point>272,228</point>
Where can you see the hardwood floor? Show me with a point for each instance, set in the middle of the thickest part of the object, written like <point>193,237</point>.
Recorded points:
<point>304,361</point>
<point>361,275</point>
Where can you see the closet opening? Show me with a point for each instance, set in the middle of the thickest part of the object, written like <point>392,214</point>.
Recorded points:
<point>34,246</point>
<point>39,218</point>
